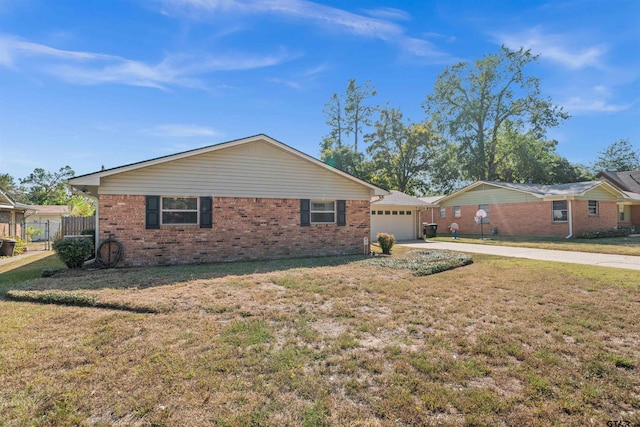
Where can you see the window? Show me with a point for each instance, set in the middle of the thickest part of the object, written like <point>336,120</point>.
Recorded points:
<point>408,212</point>
<point>180,210</point>
<point>443,212</point>
<point>387,212</point>
<point>456,212</point>
<point>323,212</point>
<point>486,209</point>
<point>394,213</point>
<point>559,211</point>
<point>593,207</point>
<point>373,212</point>
<point>379,212</point>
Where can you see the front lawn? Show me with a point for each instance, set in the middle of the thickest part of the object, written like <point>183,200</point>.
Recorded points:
<point>330,341</point>
<point>613,245</point>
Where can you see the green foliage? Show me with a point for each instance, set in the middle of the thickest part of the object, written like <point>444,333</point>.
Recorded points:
<point>345,158</point>
<point>617,157</point>
<point>599,234</point>
<point>386,242</point>
<point>89,232</point>
<point>33,233</point>
<point>74,252</point>
<point>81,205</point>
<point>471,103</point>
<point>9,186</point>
<point>350,114</point>
<point>401,153</point>
<point>522,157</point>
<point>47,188</point>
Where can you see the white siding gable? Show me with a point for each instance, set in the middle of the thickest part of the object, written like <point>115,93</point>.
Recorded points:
<point>254,169</point>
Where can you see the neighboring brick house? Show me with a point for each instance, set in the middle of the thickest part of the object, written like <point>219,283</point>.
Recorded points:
<point>565,210</point>
<point>12,216</point>
<point>253,198</point>
<point>628,206</point>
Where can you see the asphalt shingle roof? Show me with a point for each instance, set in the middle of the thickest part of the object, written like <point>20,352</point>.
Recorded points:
<point>398,198</point>
<point>549,190</point>
<point>625,180</point>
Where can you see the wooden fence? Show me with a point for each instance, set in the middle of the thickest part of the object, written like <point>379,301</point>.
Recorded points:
<point>74,225</point>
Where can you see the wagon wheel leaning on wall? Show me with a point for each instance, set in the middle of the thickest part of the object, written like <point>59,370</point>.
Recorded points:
<point>109,253</point>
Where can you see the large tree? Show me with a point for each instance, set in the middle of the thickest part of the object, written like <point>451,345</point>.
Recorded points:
<point>9,186</point>
<point>617,157</point>
<point>521,157</point>
<point>471,102</point>
<point>358,109</point>
<point>48,188</point>
<point>347,116</point>
<point>402,153</point>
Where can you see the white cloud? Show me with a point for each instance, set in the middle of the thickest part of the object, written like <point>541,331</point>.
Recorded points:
<point>175,130</point>
<point>11,49</point>
<point>88,68</point>
<point>559,48</point>
<point>582,104</point>
<point>325,17</point>
<point>389,13</point>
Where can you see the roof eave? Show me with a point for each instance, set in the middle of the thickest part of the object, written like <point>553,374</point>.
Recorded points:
<point>83,182</point>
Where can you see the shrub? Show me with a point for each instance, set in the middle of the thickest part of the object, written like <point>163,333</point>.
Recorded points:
<point>386,242</point>
<point>73,252</point>
<point>89,232</point>
<point>599,234</point>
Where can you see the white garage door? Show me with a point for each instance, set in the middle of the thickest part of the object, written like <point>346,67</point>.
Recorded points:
<point>399,222</point>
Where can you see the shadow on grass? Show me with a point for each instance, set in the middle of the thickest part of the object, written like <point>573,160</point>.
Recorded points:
<point>148,277</point>
<point>21,271</point>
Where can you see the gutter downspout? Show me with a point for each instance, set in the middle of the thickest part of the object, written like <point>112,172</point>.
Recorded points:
<point>570,215</point>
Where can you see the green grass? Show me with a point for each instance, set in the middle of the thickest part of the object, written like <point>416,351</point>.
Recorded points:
<point>25,269</point>
<point>614,245</point>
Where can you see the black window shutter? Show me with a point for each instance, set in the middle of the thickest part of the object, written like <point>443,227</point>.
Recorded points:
<point>153,212</point>
<point>342,212</point>
<point>206,212</point>
<point>305,212</point>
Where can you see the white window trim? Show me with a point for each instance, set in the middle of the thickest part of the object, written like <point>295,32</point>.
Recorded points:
<point>162,210</point>
<point>589,208</point>
<point>312,211</point>
<point>566,209</point>
<point>442,212</point>
<point>457,214</point>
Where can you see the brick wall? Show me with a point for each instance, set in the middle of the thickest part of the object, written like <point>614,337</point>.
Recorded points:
<point>528,219</point>
<point>635,215</point>
<point>243,229</point>
<point>8,227</point>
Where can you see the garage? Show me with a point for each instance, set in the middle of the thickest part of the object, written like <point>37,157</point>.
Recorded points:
<point>396,214</point>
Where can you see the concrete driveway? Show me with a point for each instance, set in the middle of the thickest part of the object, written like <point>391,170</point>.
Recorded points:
<point>602,260</point>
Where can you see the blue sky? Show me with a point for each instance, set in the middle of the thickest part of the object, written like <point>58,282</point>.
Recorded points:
<point>93,83</point>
